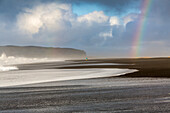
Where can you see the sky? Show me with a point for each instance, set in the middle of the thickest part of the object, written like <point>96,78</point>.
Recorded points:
<point>105,28</point>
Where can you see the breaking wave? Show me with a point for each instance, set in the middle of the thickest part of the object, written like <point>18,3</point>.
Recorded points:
<point>7,61</point>
<point>8,68</point>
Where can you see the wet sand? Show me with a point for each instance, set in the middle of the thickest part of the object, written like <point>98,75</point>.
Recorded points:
<point>147,90</point>
<point>119,95</point>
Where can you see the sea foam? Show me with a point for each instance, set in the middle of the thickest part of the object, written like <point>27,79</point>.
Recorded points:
<point>8,68</point>
<point>6,62</point>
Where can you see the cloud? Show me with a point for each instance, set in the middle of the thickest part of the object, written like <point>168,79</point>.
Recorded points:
<point>130,18</point>
<point>107,34</point>
<point>46,17</point>
<point>114,21</point>
<point>96,16</point>
<point>56,24</point>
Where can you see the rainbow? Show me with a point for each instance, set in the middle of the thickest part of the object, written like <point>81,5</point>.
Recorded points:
<point>146,5</point>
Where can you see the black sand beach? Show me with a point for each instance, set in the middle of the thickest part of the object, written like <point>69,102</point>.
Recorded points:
<point>147,90</point>
<point>147,67</point>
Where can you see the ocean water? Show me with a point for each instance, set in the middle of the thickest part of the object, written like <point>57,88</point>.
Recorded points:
<point>6,63</point>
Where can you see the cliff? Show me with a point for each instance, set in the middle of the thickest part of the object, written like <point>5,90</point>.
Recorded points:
<point>41,52</point>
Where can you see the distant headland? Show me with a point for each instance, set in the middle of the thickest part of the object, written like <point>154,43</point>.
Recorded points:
<point>41,52</point>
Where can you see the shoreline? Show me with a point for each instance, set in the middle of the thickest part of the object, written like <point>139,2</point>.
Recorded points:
<point>147,67</point>
<point>23,77</point>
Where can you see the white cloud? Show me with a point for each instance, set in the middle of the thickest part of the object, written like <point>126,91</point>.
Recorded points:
<point>106,35</point>
<point>129,18</point>
<point>29,23</point>
<point>114,21</point>
<point>45,16</point>
<point>96,16</point>
<point>56,24</point>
